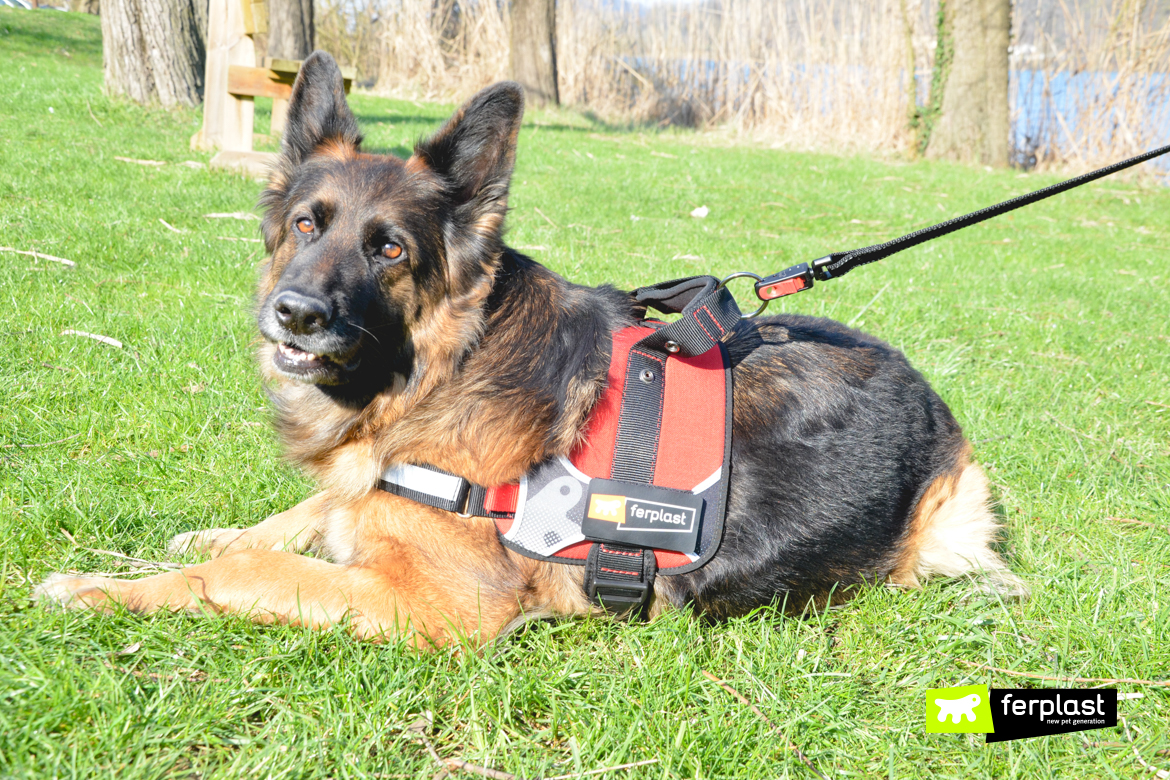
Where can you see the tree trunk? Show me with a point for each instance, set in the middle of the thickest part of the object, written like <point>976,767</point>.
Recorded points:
<point>534,49</point>
<point>974,122</point>
<point>152,51</point>
<point>290,29</point>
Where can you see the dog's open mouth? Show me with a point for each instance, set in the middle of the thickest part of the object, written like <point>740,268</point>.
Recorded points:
<point>308,366</point>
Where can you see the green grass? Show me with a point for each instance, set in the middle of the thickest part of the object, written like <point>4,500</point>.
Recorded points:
<point>1046,331</point>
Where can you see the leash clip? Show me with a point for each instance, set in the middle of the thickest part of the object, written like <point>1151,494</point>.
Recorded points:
<point>796,279</point>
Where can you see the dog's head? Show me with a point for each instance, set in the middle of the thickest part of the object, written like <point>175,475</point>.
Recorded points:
<point>378,264</point>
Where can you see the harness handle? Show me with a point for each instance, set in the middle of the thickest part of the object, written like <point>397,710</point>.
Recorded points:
<point>709,315</point>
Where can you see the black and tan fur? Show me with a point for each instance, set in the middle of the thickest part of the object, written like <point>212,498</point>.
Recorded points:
<point>412,334</point>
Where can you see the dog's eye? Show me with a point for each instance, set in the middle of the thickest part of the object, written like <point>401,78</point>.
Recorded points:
<point>391,251</point>
<point>305,225</point>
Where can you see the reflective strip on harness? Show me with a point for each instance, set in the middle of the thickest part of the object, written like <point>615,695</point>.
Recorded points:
<point>443,486</point>
<point>426,485</point>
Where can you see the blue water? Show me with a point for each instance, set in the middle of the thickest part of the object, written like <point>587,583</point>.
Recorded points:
<point>1045,115</point>
<point>1076,96</point>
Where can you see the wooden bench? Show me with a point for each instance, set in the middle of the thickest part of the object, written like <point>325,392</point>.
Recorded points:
<point>233,80</point>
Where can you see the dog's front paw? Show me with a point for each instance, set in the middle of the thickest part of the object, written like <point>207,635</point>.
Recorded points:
<point>72,592</point>
<point>212,541</point>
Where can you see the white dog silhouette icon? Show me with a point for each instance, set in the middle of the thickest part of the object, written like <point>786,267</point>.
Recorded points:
<point>609,508</point>
<point>958,709</point>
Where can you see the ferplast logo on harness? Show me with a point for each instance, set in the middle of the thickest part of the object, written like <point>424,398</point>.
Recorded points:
<point>644,515</point>
<point>641,513</point>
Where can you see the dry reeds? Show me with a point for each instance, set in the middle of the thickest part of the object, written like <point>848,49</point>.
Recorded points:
<point>795,69</point>
<point>350,30</point>
<point>1090,83</point>
<point>442,48</point>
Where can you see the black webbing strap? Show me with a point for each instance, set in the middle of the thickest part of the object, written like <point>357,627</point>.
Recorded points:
<point>616,573</point>
<point>799,277</point>
<point>476,498</point>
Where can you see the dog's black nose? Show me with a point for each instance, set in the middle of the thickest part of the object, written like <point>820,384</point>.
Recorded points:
<point>302,313</point>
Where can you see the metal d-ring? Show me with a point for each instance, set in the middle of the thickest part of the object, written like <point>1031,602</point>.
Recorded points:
<point>750,275</point>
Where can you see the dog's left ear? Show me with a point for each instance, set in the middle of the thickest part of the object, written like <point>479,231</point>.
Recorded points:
<point>317,111</point>
<point>475,150</point>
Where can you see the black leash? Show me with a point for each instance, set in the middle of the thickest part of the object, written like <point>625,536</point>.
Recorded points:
<point>800,277</point>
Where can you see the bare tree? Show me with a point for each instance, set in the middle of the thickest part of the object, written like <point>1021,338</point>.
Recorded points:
<point>290,29</point>
<point>974,122</point>
<point>153,51</point>
<point>534,50</point>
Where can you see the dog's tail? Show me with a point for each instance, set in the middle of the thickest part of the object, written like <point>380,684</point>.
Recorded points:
<point>951,533</point>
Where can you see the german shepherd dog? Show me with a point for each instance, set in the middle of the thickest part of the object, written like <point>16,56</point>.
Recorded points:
<point>398,328</point>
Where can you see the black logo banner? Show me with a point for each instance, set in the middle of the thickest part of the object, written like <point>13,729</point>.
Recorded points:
<point>1019,713</point>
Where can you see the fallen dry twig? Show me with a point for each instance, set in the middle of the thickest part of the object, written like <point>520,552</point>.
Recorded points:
<point>1034,676</point>
<point>39,256</point>
<point>763,717</point>
<point>630,765</point>
<point>546,219</point>
<point>1138,522</point>
<point>1070,429</point>
<point>91,116</point>
<point>153,163</point>
<point>1161,774</point>
<point>244,215</point>
<point>94,336</point>
<point>140,562</point>
<point>34,446</point>
<point>419,729</point>
<point>476,769</point>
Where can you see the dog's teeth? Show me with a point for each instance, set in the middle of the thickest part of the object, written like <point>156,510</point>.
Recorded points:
<point>292,353</point>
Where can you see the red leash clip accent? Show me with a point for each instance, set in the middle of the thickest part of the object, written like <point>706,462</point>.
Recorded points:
<point>796,279</point>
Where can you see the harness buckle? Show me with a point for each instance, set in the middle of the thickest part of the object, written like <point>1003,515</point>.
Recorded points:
<point>464,509</point>
<point>618,596</point>
<point>796,279</point>
<point>620,578</point>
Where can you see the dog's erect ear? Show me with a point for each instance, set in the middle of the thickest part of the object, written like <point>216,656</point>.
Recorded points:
<point>475,151</point>
<point>317,111</point>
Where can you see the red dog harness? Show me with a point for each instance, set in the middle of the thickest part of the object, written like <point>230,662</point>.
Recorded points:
<point>646,491</point>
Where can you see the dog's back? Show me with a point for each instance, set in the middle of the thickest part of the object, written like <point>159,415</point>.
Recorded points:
<point>847,468</point>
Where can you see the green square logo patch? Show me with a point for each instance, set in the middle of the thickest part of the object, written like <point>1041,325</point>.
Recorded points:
<point>962,710</point>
